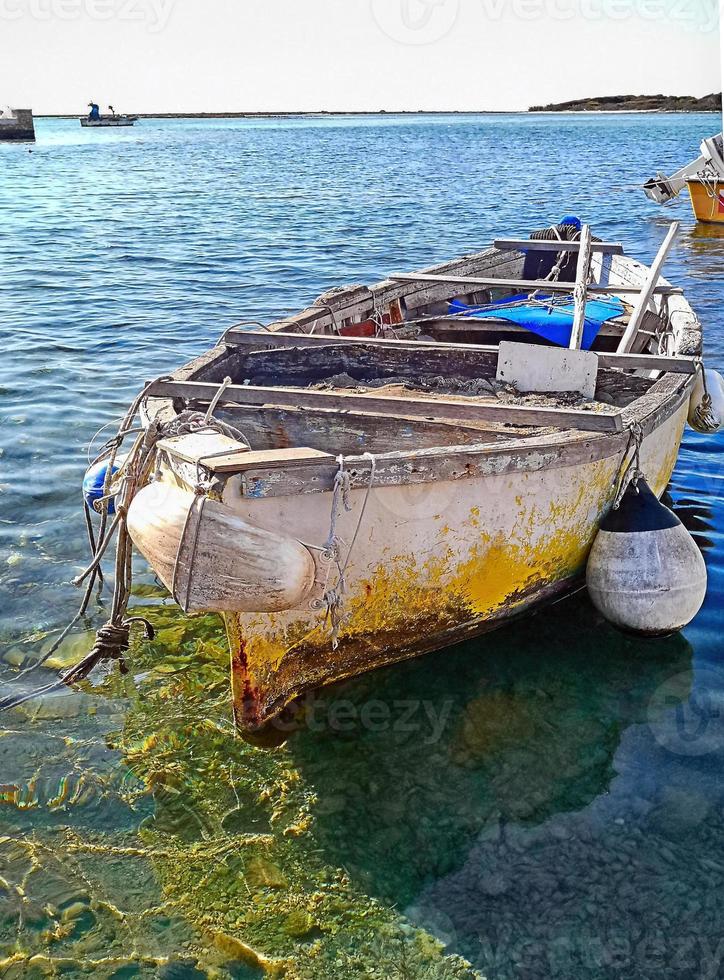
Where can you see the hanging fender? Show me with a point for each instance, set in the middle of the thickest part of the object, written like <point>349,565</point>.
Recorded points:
<point>212,560</point>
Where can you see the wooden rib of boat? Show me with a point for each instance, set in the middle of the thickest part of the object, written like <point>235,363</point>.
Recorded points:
<point>389,494</point>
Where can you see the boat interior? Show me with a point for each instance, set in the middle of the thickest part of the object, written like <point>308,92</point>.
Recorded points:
<point>394,366</point>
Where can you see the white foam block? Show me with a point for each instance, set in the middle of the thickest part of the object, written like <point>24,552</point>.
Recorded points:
<point>531,367</point>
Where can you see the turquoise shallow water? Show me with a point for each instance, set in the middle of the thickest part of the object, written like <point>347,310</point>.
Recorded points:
<point>547,801</point>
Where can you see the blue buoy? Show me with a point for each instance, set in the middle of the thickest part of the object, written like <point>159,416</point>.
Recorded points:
<point>93,483</point>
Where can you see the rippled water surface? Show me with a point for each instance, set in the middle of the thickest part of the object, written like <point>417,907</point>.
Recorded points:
<point>544,802</point>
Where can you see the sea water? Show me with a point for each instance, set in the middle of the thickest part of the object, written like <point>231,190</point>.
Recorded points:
<point>545,801</point>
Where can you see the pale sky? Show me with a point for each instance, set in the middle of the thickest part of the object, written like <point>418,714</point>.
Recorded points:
<point>275,55</point>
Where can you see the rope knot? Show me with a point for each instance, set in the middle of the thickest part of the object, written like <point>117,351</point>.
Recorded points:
<point>113,641</point>
<point>631,472</point>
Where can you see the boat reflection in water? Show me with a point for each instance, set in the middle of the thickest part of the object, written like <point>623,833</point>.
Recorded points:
<point>506,732</point>
<point>401,795</point>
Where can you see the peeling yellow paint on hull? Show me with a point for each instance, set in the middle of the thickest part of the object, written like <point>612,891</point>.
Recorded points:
<point>432,565</point>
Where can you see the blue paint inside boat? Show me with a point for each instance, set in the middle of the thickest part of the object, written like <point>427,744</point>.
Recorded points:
<point>553,321</point>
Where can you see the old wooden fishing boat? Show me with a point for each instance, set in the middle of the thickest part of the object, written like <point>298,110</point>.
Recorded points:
<point>386,473</point>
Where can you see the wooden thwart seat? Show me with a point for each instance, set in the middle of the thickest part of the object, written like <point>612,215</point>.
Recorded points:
<point>418,407</point>
<point>282,339</point>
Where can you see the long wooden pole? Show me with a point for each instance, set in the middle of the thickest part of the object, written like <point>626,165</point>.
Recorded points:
<point>580,293</point>
<point>526,285</point>
<point>649,289</point>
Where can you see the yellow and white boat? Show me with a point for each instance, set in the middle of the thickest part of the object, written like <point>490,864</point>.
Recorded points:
<point>369,480</point>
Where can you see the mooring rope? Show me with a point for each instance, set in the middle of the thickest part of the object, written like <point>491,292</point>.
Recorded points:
<point>113,638</point>
<point>333,598</point>
<point>703,413</point>
<point>630,471</point>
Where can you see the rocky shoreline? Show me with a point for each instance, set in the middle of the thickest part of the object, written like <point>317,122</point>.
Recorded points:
<point>637,103</point>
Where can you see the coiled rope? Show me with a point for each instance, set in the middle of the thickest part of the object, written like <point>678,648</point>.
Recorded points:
<point>705,418</point>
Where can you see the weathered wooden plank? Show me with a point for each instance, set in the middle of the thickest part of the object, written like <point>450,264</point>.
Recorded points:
<point>648,290</point>
<point>256,338</point>
<point>531,285</point>
<point>239,459</point>
<point>580,293</point>
<point>522,244</point>
<point>435,408</point>
<point>351,433</point>
<point>306,367</point>
<point>439,464</point>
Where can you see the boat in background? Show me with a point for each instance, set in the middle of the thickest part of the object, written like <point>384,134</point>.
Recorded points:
<point>96,121</point>
<point>17,126</point>
<point>704,178</point>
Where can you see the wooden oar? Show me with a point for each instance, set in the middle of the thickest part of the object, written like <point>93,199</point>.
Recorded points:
<point>649,289</point>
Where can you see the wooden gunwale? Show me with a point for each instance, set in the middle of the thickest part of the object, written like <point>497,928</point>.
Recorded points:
<point>549,451</point>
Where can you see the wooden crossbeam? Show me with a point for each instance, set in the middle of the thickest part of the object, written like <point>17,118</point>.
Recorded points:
<point>264,339</point>
<point>523,244</point>
<point>427,408</point>
<point>528,285</point>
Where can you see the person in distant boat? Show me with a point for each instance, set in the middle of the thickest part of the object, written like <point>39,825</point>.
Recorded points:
<point>95,112</point>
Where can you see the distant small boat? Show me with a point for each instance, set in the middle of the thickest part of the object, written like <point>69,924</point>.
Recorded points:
<point>96,121</point>
<point>17,125</point>
<point>106,122</point>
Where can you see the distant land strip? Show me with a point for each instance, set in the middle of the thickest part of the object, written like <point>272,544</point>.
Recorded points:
<point>637,103</point>
<point>614,103</point>
<point>295,115</point>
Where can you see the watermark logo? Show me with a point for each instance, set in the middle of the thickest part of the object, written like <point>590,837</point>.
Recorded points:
<point>154,14</point>
<point>416,22</point>
<point>420,22</point>
<point>689,722</point>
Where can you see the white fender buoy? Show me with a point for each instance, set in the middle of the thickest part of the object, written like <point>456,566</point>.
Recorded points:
<point>707,416</point>
<point>212,560</point>
<point>645,573</point>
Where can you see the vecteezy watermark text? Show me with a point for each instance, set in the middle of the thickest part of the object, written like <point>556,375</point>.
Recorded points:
<point>419,22</point>
<point>426,719</point>
<point>154,14</point>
